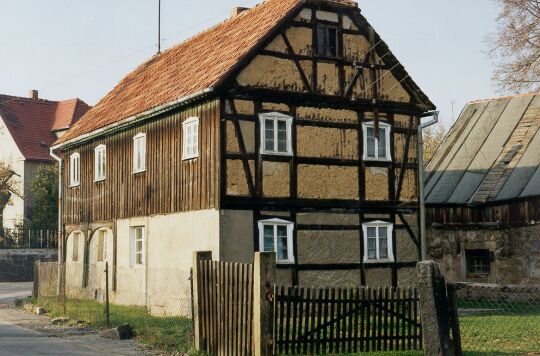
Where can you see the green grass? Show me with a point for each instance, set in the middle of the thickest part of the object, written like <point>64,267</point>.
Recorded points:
<point>167,333</point>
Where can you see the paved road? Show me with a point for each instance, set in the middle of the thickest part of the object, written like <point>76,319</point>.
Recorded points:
<point>23,333</point>
<point>9,291</point>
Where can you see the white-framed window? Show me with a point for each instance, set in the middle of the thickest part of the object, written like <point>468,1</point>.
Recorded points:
<point>102,245</point>
<point>137,246</point>
<point>376,147</point>
<point>190,146</point>
<point>75,246</point>
<point>139,153</point>
<point>276,235</point>
<point>74,169</point>
<point>276,137</point>
<point>378,241</point>
<point>100,161</point>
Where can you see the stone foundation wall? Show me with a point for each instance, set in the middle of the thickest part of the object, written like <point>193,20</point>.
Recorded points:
<point>515,253</point>
<point>17,265</point>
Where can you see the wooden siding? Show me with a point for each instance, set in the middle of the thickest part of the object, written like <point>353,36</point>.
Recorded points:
<point>168,185</point>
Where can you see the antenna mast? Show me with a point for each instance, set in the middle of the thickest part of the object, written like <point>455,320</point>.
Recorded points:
<point>159,28</point>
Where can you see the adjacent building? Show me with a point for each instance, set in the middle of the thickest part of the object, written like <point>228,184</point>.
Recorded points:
<point>289,127</point>
<point>483,193</point>
<point>28,128</point>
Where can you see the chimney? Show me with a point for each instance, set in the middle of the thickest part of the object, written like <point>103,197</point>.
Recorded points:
<point>33,94</point>
<point>237,11</point>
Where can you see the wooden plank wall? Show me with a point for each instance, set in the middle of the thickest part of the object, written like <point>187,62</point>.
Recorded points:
<point>168,185</point>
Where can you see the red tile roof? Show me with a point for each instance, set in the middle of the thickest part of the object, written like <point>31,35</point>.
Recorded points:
<point>193,65</point>
<point>31,122</point>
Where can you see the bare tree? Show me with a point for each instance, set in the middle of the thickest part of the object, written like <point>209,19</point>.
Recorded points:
<point>516,45</point>
<point>9,187</point>
<point>433,136</point>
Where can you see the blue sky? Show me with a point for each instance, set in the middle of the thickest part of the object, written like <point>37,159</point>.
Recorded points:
<point>68,48</point>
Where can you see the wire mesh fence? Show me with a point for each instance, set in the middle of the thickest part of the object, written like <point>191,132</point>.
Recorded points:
<point>496,319</point>
<point>156,303</point>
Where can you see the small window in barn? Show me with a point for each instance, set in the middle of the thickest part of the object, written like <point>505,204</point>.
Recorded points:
<point>100,160</point>
<point>102,245</point>
<point>326,41</point>
<point>137,246</point>
<point>376,143</point>
<point>276,134</point>
<point>139,153</point>
<point>378,241</point>
<point>276,235</point>
<point>478,262</point>
<point>75,246</point>
<point>74,169</point>
<point>190,147</point>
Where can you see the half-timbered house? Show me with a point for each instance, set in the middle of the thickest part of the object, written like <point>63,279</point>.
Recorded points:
<point>290,127</point>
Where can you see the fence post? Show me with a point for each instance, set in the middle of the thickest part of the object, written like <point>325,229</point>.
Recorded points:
<point>264,277</point>
<point>35,289</point>
<point>454,318</point>
<point>434,310</point>
<point>198,256</point>
<point>107,309</point>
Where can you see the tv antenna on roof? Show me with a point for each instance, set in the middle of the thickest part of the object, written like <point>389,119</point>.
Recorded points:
<point>159,28</point>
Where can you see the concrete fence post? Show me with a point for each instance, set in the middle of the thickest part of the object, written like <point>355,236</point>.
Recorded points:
<point>35,289</point>
<point>264,277</point>
<point>434,310</point>
<point>198,256</point>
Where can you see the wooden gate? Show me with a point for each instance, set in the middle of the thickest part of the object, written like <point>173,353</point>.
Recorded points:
<point>338,320</point>
<point>226,307</point>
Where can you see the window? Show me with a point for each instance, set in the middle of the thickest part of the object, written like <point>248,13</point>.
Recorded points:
<point>137,246</point>
<point>326,41</point>
<point>100,158</point>
<point>190,148</point>
<point>75,247</point>
<point>276,235</point>
<point>478,261</point>
<point>378,241</point>
<point>74,169</point>
<point>139,153</point>
<point>276,134</point>
<point>102,245</point>
<point>376,147</point>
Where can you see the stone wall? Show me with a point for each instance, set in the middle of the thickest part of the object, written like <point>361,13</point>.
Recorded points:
<point>515,253</point>
<point>17,265</point>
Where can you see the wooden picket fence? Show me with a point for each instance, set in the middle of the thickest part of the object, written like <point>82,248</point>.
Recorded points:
<point>226,307</point>
<point>336,320</point>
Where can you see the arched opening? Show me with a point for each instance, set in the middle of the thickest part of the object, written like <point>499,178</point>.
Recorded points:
<point>100,255</point>
<point>74,266</point>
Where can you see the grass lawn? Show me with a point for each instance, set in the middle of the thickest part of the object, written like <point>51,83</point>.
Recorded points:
<point>167,333</point>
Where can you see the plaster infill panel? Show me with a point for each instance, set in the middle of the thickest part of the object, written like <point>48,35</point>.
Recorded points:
<point>327,142</point>
<point>327,182</point>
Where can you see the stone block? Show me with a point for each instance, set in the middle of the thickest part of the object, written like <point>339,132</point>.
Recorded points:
<point>120,332</point>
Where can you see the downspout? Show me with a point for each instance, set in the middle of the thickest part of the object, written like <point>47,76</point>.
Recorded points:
<point>434,119</point>
<point>60,237</point>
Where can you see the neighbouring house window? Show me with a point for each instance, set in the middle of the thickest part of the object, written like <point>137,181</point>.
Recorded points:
<point>74,169</point>
<point>190,147</point>
<point>276,134</point>
<point>137,246</point>
<point>376,147</point>
<point>478,261</point>
<point>326,41</point>
<point>378,241</point>
<point>139,153</point>
<point>100,160</point>
<point>75,247</point>
<point>276,235</point>
<point>102,245</point>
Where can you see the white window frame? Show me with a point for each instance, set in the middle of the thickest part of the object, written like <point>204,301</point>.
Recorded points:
<point>276,116</point>
<point>389,232</point>
<point>100,159</point>
<point>190,144</point>
<point>387,131</point>
<point>290,229</point>
<point>104,233</point>
<point>75,169</point>
<point>139,151</point>
<point>75,246</point>
<point>133,246</point>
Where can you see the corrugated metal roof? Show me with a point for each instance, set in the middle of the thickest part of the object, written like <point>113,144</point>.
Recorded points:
<point>492,152</point>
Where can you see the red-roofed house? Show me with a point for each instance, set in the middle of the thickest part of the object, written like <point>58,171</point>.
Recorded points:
<point>28,127</point>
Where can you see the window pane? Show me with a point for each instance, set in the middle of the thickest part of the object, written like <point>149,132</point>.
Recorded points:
<point>383,247</point>
<point>282,251</point>
<point>372,248</point>
<point>269,135</point>
<point>383,231</point>
<point>321,40</point>
<point>268,238</point>
<point>282,136</point>
<point>382,143</point>
<point>332,42</point>
<point>370,142</point>
<point>138,246</point>
<point>371,231</point>
<point>139,258</point>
